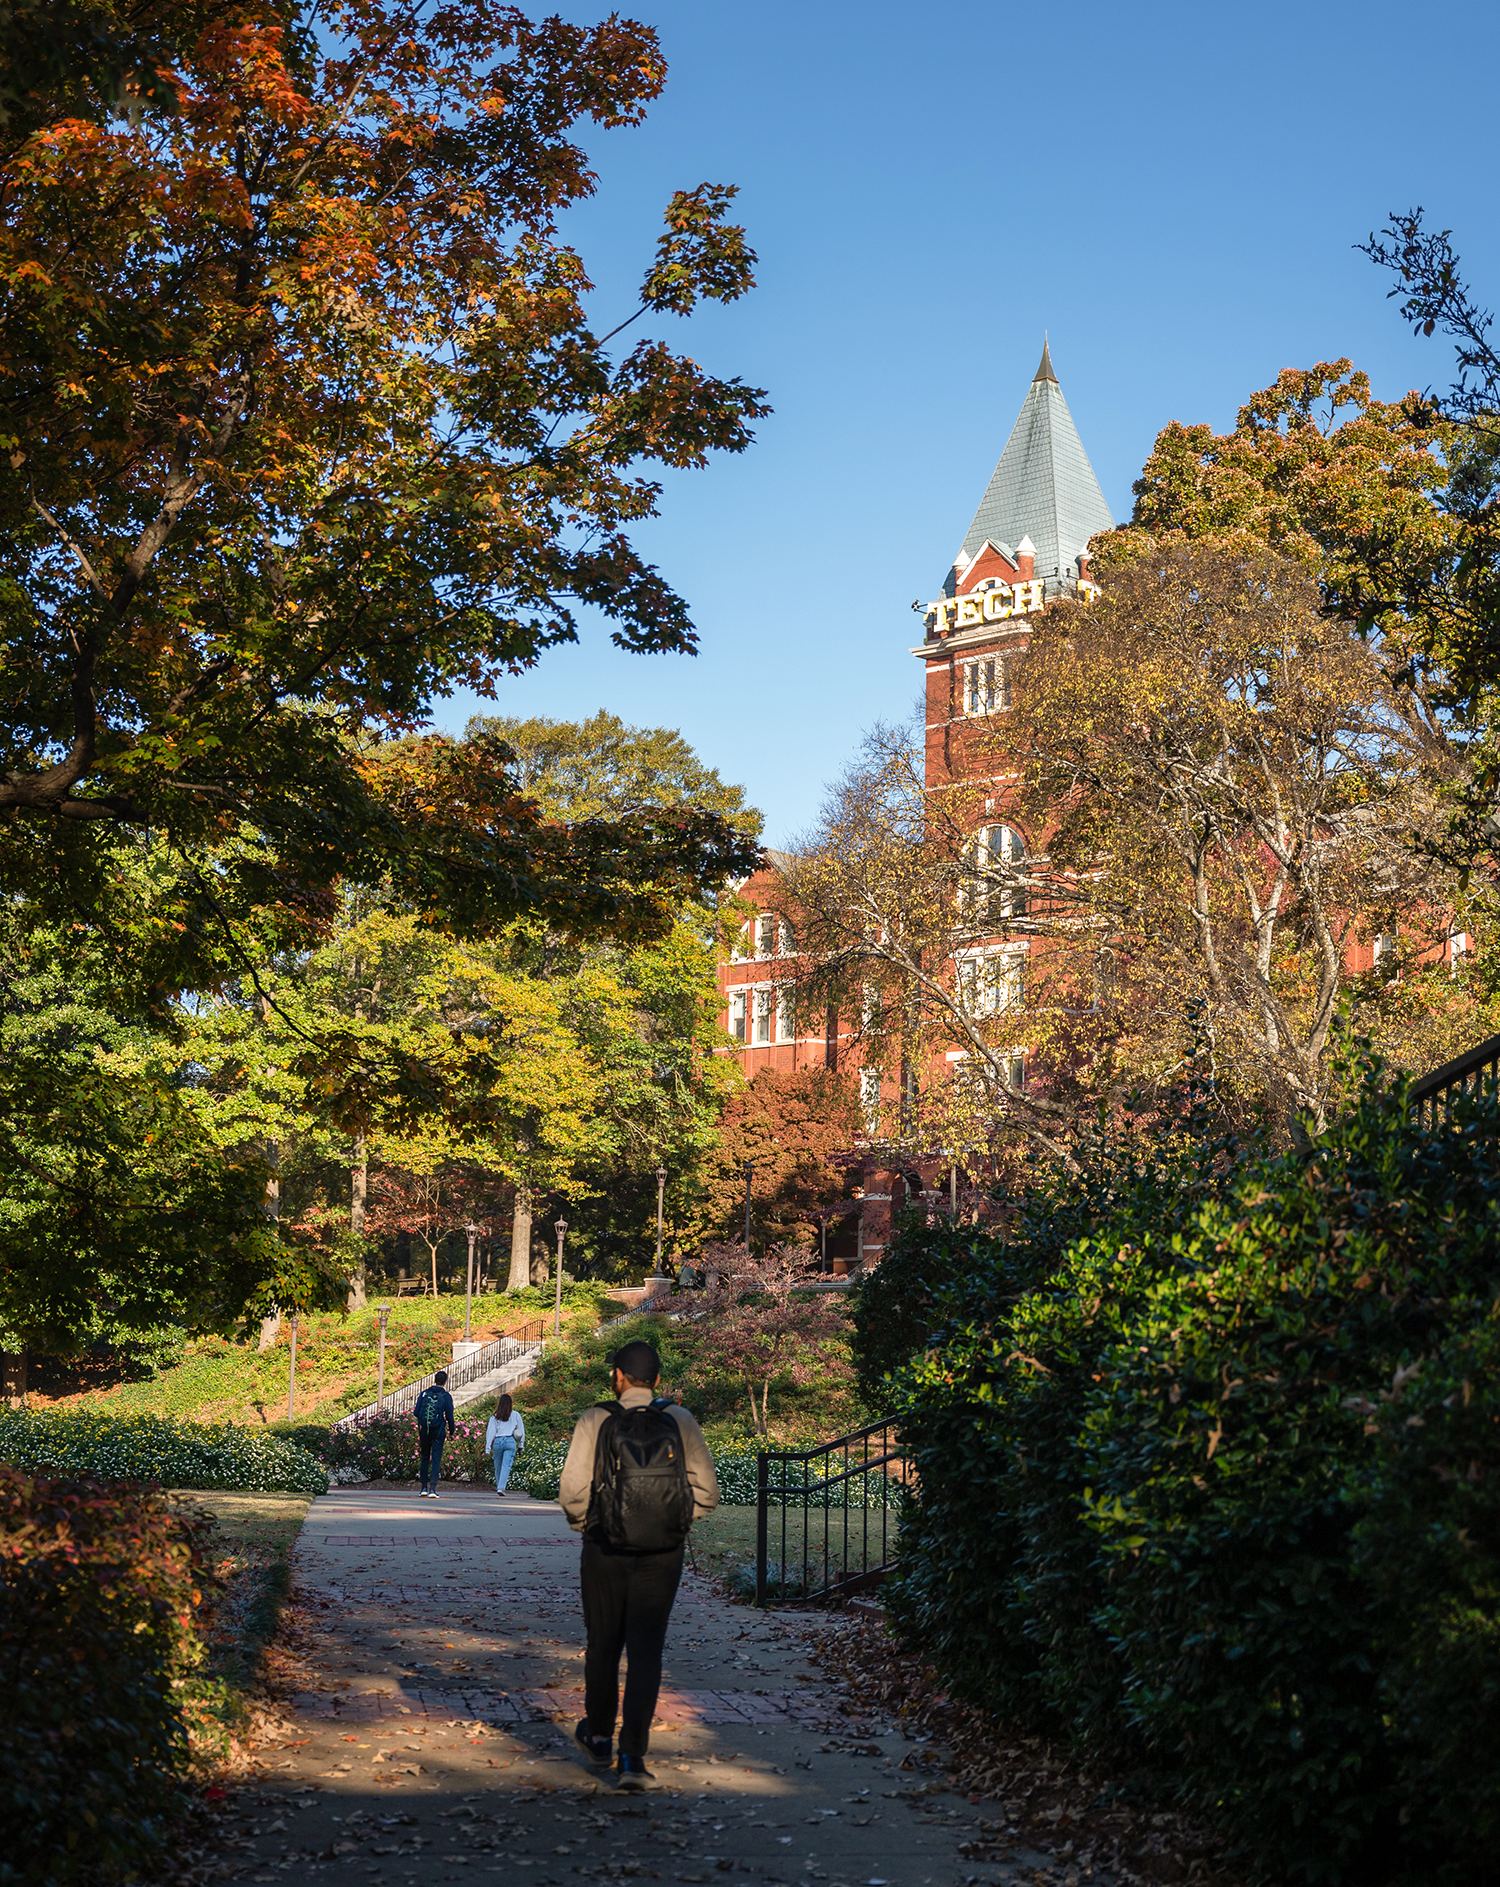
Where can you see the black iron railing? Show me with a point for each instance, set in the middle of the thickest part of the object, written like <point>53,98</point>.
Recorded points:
<point>828,1519</point>
<point>1433,1096</point>
<point>466,1369</point>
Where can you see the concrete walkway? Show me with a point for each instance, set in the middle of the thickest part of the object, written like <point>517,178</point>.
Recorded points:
<point>434,1739</point>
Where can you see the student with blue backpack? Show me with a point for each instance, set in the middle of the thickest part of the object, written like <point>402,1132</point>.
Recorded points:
<point>638,1474</point>
<point>434,1413</point>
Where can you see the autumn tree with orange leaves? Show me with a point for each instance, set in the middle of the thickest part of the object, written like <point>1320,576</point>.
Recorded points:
<point>304,425</point>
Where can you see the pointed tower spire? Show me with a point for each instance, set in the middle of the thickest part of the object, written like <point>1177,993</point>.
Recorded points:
<point>1044,487</point>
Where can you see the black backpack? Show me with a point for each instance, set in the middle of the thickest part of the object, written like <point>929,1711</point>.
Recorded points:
<point>641,1501</point>
<point>429,1412</point>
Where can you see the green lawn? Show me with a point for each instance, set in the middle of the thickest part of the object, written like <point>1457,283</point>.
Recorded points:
<point>724,1541</point>
<point>253,1525</point>
<point>251,1559</point>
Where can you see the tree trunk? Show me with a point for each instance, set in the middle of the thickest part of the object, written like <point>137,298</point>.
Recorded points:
<point>520,1241</point>
<point>13,1378</point>
<point>270,1327</point>
<point>359,1181</point>
<point>432,1248</point>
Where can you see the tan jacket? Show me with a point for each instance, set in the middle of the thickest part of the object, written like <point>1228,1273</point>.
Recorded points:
<point>578,1469</point>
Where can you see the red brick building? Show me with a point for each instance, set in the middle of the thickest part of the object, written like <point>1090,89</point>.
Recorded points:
<point>1028,542</point>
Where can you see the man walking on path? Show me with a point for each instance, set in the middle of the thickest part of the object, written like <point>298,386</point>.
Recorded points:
<point>638,1474</point>
<point>434,1413</point>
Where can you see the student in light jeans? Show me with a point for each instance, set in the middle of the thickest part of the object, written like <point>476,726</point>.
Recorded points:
<point>504,1438</point>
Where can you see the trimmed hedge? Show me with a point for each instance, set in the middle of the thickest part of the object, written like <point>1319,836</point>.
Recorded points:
<point>158,1448</point>
<point>100,1583</point>
<point>385,1447</point>
<point>1214,1481</point>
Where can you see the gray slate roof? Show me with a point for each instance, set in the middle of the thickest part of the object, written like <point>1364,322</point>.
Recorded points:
<point>1044,487</point>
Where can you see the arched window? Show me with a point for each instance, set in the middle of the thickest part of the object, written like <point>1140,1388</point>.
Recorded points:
<point>996,861</point>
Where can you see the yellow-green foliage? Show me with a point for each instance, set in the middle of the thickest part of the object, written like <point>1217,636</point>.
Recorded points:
<point>336,1359</point>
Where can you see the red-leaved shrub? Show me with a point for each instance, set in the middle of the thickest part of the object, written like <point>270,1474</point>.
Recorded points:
<point>99,1582</point>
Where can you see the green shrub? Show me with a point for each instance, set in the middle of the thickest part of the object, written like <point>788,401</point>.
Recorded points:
<point>1166,1506</point>
<point>1144,1180</point>
<point>1428,1547</point>
<point>158,1448</point>
<point>96,1606</point>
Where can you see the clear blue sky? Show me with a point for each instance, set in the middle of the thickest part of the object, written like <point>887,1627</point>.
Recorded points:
<point>1173,191</point>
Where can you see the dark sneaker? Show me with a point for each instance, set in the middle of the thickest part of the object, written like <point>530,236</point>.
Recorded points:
<point>598,1749</point>
<point>631,1772</point>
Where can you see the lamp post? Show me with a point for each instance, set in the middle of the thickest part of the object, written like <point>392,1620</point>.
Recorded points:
<point>291,1378</point>
<point>562,1229</point>
<point>385,1311</point>
<point>661,1188</point>
<point>471,1229</point>
<point>749,1175</point>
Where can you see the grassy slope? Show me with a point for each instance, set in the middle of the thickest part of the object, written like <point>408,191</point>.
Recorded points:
<point>570,1379</point>
<point>218,1380</point>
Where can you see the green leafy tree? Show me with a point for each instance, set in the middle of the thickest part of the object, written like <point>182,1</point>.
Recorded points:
<point>122,1213</point>
<point>603,768</point>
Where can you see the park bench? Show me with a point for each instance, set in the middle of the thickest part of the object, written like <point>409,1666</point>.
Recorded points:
<point>411,1287</point>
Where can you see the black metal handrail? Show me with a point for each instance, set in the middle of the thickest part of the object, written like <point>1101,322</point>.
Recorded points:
<point>510,1348</point>
<point>1435,1094</point>
<point>849,1494</point>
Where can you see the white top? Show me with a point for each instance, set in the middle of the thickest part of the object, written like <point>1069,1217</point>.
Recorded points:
<point>512,1425</point>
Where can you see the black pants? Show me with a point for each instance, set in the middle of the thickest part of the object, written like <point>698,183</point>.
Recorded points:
<point>627,1600</point>
<point>432,1458</point>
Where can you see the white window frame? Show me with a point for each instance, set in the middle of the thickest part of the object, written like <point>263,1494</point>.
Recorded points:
<point>870,1082</point>
<point>991,981</point>
<point>765,944</point>
<point>762,1023</point>
<point>786,1015</point>
<point>737,1015</point>
<point>976,895</point>
<point>987,685</point>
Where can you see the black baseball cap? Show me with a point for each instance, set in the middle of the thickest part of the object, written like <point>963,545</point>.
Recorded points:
<point>638,1361</point>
